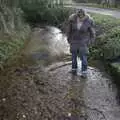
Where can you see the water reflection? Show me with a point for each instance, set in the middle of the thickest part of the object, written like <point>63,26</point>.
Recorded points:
<point>58,42</point>
<point>46,43</point>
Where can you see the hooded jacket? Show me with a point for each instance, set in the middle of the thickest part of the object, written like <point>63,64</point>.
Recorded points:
<point>80,37</point>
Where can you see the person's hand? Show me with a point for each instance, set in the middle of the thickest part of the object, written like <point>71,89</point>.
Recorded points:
<point>68,39</point>
<point>91,41</point>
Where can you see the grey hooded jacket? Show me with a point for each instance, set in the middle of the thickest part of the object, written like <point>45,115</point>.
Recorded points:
<point>84,36</point>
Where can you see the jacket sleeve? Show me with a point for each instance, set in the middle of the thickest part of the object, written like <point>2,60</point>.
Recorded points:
<point>69,27</point>
<point>92,32</point>
<point>69,31</point>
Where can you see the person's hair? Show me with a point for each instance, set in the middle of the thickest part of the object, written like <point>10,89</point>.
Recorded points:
<point>81,11</point>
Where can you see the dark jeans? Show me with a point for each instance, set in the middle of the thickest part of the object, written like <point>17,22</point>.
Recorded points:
<point>83,56</point>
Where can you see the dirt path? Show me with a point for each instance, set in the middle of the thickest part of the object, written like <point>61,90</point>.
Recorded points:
<point>45,90</point>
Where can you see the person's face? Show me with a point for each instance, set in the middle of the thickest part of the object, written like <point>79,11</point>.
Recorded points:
<point>80,15</point>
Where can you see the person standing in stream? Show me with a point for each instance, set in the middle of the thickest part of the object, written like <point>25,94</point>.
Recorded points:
<point>80,34</point>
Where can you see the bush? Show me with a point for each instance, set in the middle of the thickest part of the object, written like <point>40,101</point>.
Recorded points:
<point>107,44</point>
<point>104,23</point>
<point>111,47</point>
<point>44,11</point>
<point>10,45</point>
<point>13,31</point>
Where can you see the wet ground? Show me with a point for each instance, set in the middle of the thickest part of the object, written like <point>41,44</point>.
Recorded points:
<point>45,90</point>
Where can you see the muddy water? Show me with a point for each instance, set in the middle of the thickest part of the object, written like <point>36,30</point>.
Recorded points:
<point>47,44</point>
<point>50,92</point>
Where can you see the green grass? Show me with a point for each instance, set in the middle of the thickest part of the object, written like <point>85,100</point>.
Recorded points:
<point>39,11</point>
<point>107,45</point>
<point>108,37</point>
<point>11,45</point>
<point>105,22</point>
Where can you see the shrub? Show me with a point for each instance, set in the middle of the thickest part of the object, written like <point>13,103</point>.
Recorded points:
<point>107,45</point>
<point>13,31</point>
<point>10,45</point>
<point>111,48</point>
<point>104,23</point>
<point>45,11</point>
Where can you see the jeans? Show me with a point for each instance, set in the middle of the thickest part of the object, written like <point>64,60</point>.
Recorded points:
<point>83,56</point>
